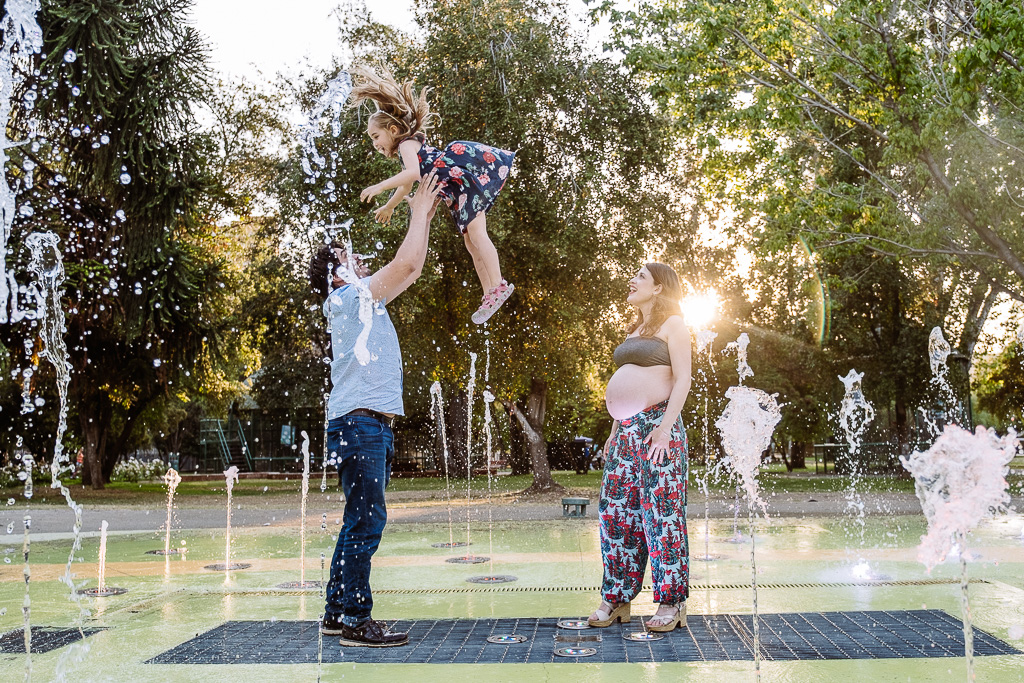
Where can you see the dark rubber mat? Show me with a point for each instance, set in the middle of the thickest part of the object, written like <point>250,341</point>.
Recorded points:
<point>814,635</point>
<point>44,638</point>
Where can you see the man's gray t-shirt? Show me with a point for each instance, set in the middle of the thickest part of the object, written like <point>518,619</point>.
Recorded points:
<point>377,384</point>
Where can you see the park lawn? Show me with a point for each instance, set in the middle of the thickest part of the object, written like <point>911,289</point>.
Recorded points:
<point>773,479</point>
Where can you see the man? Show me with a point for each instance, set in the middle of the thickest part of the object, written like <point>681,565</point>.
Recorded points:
<point>366,396</point>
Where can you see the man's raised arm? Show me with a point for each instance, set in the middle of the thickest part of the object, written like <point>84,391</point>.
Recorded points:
<point>402,271</point>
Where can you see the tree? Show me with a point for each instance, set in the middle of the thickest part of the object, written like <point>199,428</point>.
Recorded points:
<point>592,192</point>
<point>122,175</point>
<point>892,124</point>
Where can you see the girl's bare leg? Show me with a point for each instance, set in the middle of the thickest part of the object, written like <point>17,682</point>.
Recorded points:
<point>485,256</point>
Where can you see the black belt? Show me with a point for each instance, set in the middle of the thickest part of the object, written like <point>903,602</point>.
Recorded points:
<point>389,420</point>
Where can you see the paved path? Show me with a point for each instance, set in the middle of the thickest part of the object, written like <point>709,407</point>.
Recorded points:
<point>409,509</point>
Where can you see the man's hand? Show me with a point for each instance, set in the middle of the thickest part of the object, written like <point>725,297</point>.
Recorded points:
<point>425,198</point>
<point>369,193</point>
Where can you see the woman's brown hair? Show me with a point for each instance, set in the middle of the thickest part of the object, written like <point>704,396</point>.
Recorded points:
<point>398,105</point>
<point>666,303</point>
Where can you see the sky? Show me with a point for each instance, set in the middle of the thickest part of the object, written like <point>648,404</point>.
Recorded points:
<point>252,36</point>
<point>249,36</point>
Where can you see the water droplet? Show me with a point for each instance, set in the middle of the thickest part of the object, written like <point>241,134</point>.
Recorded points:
<point>40,401</point>
<point>10,528</point>
<point>120,215</point>
<point>30,97</point>
<point>76,91</point>
<point>28,164</point>
<point>157,362</point>
<point>25,210</point>
<point>380,245</point>
<point>76,133</point>
<point>70,56</point>
<point>104,139</point>
<point>10,501</point>
<point>125,178</point>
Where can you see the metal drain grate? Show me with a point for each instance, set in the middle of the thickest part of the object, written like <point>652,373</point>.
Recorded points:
<point>791,636</point>
<point>44,638</point>
<point>693,587</point>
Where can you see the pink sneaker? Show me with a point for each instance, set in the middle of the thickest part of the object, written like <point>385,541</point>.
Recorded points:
<point>492,301</point>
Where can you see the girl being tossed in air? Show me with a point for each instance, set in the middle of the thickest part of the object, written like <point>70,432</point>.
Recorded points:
<point>470,174</point>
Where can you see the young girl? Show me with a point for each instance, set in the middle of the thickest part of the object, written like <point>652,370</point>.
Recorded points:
<point>470,174</point>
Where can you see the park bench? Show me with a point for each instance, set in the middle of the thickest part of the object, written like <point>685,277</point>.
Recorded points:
<point>575,507</point>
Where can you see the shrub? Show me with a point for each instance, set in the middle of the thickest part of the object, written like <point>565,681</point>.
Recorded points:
<point>134,470</point>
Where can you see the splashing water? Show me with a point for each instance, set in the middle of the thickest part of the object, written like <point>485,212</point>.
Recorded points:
<point>333,98</point>
<point>46,264</point>
<point>960,481</point>
<point>470,390</point>
<point>230,479</point>
<point>437,408</point>
<point>329,459</point>
<point>22,39</point>
<point>101,578</point>
<point>171,480</point>
<point>28,464</point>
<point>855,414</point>
<point>746,427</point>
<point>938,351</point>
<point>26,603</point>
<point>705,340</point>
<point>938,354</point>
<point>740,347</point>
<point>302,509</point>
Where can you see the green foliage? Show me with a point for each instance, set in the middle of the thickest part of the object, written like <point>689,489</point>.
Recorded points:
<point>126,179</point>
<point>1000,385</point>
<point>593,191</point>
<point>867,152</point>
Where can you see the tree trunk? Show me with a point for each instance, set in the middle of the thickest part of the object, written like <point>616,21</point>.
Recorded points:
<point>532,421</point>
<point>94,418</point>
<point>796,457</point>
<point>455,431</point>
<point>519,454</point>
<point>902,428</point>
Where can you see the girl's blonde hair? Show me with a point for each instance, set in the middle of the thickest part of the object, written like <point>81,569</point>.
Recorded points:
<point>665,305</point>
<point>397,104</point>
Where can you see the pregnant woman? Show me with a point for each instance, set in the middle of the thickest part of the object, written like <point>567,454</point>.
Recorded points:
<point>643,495</point>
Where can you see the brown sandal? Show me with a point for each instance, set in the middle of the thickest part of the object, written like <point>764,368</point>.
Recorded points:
<point>679,619</point>
<point>618,612</point>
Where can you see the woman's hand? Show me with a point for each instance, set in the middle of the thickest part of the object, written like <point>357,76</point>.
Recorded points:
<point>657,451</point>
<point>369,193</point>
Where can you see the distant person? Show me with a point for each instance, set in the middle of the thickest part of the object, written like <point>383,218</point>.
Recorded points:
<point>470,174</point>
<point>642,508</point>
<point>361,410</point>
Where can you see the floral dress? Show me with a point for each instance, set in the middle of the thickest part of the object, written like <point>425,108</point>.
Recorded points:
<point>470,175</point>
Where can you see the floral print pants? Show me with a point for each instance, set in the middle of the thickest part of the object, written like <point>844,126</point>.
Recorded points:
<point>643,513</point>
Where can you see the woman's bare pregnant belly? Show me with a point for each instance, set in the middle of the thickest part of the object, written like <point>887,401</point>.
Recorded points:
<point>633,388</point>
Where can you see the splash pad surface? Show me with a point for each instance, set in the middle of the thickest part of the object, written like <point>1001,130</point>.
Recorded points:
<point>804,567</point>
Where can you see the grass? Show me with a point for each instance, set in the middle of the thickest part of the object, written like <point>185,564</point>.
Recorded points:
<point>773,479</point>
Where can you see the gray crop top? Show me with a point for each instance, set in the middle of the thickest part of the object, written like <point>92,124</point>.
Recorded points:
<point>643,351</point>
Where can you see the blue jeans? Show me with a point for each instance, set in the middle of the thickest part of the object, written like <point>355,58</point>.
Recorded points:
<point>363,448</point>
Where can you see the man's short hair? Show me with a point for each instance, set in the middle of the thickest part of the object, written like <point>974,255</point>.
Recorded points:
<point>322,264</point>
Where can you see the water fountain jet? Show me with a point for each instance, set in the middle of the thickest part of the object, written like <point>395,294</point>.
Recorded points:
<point>746,426</point>
<point>960,481</point>
<point>102,590</point>
<point>230,479</point>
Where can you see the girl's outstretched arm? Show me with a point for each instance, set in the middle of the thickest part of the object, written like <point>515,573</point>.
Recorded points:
<point>409,175</point>
<point>383,214</point>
